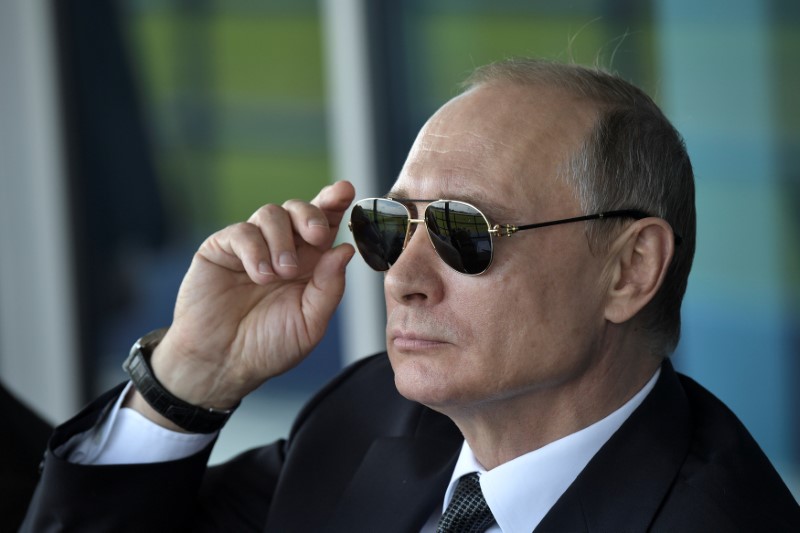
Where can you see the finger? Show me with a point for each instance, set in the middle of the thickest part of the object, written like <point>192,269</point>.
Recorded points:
<point>334,200</point>
<point>326,287</point>
<point>277,229</point>
<point>310,223</point>
<point>317,222</point>
<point>240,248</point>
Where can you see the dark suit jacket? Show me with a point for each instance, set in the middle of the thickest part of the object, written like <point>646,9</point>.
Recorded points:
<point>24,438</point>
<point>362,458</point>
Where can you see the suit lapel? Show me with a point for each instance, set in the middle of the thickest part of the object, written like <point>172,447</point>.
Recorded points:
<point>400,480</point>
<point>622,487</point>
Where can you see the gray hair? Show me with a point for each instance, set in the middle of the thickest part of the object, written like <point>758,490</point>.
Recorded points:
<point>632,158</point>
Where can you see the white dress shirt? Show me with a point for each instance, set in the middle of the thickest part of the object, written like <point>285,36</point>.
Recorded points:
<point>125,436</point>
<point>522,491</point>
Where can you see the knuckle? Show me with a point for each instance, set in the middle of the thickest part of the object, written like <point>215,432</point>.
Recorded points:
<point>272,211</point>
<point>240,229</point>
<point>269,213</point>
<point>294,203</point>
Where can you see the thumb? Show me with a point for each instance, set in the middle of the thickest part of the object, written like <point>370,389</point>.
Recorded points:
<point>326,286</point>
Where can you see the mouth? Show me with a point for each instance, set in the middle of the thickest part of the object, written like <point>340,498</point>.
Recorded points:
<point>406,341</point>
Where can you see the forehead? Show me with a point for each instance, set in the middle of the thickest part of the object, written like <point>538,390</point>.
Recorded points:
<point>498,147</point>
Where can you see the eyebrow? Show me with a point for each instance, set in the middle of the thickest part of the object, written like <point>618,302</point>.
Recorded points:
<point>496,213</point>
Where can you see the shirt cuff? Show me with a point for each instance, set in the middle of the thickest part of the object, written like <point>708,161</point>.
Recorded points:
<point>125,436</point>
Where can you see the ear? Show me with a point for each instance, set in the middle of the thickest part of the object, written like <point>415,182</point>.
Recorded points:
<point>638,263</point>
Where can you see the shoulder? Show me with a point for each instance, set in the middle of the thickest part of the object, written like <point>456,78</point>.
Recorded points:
<point>726,477</point>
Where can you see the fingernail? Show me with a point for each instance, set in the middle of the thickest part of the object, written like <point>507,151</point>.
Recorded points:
<point>287,259</point>
<point>318,222</point>
<point>263,268</point>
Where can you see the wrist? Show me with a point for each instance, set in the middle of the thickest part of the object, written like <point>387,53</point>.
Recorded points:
<point>194,378</point>
<point>136,402</point>
<point>161,402</point>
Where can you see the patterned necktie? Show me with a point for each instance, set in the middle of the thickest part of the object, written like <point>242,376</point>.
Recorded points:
<point>467,511</point>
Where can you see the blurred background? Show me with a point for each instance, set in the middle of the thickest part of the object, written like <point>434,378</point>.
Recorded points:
<point>131,129</point>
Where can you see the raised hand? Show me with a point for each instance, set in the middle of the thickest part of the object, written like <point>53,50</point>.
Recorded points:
<point>256,299</point>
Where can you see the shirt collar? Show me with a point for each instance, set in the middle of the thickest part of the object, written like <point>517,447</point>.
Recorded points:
<point>522,491</point>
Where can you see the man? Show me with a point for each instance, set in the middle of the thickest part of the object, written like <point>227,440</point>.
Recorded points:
<point>539,361</point>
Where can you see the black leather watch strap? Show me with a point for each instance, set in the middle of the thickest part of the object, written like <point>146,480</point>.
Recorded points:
<point>190,417</point>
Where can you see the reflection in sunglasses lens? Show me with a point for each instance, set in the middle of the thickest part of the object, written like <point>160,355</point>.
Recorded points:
<point>368,238</point>
<point>379,228</point>
<point>459,233</point>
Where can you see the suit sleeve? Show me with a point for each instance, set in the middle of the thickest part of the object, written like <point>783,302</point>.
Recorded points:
<point>181,495</point>
<point>77,497</point>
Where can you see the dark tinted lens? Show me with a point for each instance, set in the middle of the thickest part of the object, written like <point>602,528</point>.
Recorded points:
<point>460,234</point>
<point>379,229</point>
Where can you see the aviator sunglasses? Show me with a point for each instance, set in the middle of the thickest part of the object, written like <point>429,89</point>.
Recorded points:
<point>461,235</point>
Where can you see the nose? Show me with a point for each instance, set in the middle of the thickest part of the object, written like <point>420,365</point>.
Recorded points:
<point>415,278</point>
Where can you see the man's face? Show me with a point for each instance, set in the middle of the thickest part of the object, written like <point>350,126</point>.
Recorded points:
<point>532,322</point>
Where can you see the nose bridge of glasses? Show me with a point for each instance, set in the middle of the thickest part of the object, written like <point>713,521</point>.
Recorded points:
<point>409,230</point>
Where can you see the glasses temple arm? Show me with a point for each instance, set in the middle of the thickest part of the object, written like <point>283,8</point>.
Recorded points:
<point>508,229</point>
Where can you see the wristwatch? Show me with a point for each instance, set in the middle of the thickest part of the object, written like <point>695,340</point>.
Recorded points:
<point>190,417</point>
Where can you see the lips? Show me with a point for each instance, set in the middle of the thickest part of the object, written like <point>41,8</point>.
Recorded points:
<point>420,330</point>
<point>414,340</point>
<point>412,344</point>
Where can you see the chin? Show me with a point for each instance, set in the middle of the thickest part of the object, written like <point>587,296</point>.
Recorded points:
<point>421,380</point>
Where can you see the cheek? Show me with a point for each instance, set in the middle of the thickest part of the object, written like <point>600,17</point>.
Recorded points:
<point>547,311</point>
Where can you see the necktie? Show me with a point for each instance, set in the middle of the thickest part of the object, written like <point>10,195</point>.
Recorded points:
<point>467,511</point>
